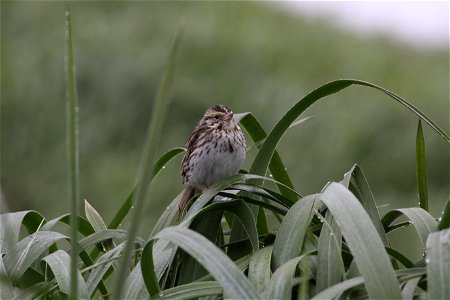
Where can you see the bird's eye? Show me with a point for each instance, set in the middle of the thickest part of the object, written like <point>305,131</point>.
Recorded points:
<point>216,117</point>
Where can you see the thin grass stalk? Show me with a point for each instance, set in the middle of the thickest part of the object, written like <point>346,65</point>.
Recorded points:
<point>146,171</point>
<point>73,171</point>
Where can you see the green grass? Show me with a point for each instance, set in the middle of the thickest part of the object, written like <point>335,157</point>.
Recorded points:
<point>330,244</point>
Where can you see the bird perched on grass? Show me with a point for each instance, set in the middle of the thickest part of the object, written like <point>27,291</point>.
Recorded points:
<point>215,150</point>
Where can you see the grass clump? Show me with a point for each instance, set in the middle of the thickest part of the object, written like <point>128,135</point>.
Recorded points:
<point>330,244</point>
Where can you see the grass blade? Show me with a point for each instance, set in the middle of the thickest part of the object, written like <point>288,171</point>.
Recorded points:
<point>6,288</point>
<point>291,234</point>
<point>335,291</point>
<point>262,159</point>
<point>360,188</point>
<point>94,217</point>
<point>364,242</point>
<point>73,170</point>
<point>134,287</point>
<point>146,172</point>
<point>444,222</point>
<point>421,168</point>
<point>27,251</point>
<point>330,270</point>
<point>195,290</point>
<point>438,265</point>
<point>280,286</point>
<point>59,263</point>
<point>259,269</point>
<point>101,267</point>
<point>225,271</point>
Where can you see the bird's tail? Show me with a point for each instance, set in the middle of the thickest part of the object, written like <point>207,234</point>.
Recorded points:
<point>189,192</point>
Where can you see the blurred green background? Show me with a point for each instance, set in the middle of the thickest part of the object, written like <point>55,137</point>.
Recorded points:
<point>251,56</point>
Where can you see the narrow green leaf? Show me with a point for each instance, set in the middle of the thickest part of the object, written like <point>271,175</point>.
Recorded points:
<point>399,257</point>
<point>444,220</point>
<point>360,188</point>
<point>422,221</point>
<point>233,281</point>
<point>259,269</point>
<point>25,253</point>
<point>330,270</point>
<point>94,217</point>
<point>193,290</point>
<point>421,168</point>
<point>146,172</point>
<point>438,265</point>
<point>98,224</point>
<point>363,240</point>
<point>59,263</point>
<point>291,234</point>
<point>73,170</point>
<point>280,286</point>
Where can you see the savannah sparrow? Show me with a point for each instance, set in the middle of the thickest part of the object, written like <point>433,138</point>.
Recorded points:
<point>215,150</point>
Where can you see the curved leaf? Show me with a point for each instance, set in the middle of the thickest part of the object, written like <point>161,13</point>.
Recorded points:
<point>10,225</point>
<point>262,159</point>
<point>28,250</point>
<point>422,221</point>
<point>363,241</point>
<point>233,281</point>
<point>59,263</point>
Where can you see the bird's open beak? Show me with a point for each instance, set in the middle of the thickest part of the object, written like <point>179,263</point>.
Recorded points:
<point>228,117</point>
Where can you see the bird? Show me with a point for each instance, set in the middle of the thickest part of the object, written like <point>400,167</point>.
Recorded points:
<point>215,150</point>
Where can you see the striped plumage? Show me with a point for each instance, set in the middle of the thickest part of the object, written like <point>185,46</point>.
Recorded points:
<point>215,150</point>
